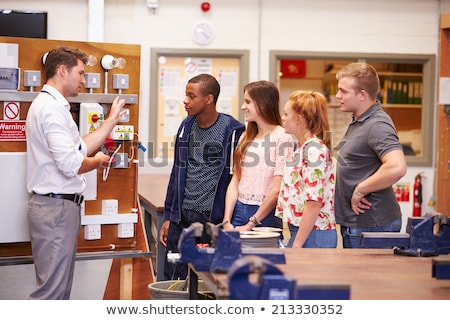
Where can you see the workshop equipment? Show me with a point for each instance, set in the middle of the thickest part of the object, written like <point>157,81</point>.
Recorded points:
<point>425,236</point>
<point>226,248</point>
<point>440,268</point>
<point>254,278</point>
<point>417,196</point>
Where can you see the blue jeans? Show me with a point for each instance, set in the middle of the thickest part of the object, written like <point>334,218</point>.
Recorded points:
<point>351,237</point>
<point>242,212</point>
<point>316,238</point>
<point>179,270</point>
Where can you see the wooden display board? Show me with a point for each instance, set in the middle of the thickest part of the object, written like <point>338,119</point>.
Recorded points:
<point>443,130</point>
<point>121,184</point>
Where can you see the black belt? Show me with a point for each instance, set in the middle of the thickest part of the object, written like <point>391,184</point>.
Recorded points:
<point>77,198</point>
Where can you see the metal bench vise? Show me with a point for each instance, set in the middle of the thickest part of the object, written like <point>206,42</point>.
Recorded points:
<point>226,249</point>
<point>254,278</point>
<point>425,236</point>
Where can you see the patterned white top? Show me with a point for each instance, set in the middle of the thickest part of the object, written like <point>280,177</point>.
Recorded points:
<point>309,175</point>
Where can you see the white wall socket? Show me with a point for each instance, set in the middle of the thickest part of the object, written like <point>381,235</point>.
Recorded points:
<point>125,230</point>
<point>110,206</point>
<point>92,232</point>
<point>121,160</point>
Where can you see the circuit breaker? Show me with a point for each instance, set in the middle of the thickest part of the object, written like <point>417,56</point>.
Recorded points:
<point>91,117</point>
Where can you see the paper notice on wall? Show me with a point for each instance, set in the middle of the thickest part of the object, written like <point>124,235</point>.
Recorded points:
<point>171,124</point>
<point>444,90</point>
<point>196,66</point>
<point>9,55</point>
<point>225,105</point>
<point>169,82</point>
<point>228,83</point>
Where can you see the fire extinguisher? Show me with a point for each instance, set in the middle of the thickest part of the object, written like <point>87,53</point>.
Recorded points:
<point>417,202</point>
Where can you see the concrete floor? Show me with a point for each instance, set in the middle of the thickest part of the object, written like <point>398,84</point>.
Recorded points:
<point>89,280</point>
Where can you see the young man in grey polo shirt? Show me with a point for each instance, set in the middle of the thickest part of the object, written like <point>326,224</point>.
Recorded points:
<point>370,159</point>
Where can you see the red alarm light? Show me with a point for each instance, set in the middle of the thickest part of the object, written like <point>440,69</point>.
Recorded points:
<point>205,6</point>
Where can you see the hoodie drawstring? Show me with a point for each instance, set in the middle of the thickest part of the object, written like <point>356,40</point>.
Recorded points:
<point>233,138</point>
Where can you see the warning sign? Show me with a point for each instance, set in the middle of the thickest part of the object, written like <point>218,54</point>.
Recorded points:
<point>11,110</point>
<point>12,130</point>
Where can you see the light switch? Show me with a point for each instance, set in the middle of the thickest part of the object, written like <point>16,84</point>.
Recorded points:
<point>31,78</point>
<point>120,81</point>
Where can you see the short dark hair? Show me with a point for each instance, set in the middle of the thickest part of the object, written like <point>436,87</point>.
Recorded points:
<point>63,55</point>
<point>208,85</point>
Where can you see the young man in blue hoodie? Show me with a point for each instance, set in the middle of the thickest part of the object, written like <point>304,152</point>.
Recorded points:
<point>201,171</point>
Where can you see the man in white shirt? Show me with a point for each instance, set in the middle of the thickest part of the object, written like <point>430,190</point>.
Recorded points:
<point>57,157</point>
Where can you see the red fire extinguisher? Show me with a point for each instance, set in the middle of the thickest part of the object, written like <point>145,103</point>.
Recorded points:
<point>417,202</point>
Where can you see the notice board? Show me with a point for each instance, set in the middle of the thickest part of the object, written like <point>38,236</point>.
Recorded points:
<point>171,69</point>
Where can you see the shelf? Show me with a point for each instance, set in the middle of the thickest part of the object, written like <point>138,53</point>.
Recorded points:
<point>28,96</point>
<point>399,74</point>
<point>403,106</point>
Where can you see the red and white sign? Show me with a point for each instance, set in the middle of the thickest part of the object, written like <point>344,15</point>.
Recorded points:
<point>11,110</point>
<point>293,68</point>
<point>12,130</point>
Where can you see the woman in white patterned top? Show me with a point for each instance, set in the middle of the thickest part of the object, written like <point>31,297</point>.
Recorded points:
<point>306,196</point>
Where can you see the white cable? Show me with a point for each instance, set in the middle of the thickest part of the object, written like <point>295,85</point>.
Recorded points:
<point>106,170</point>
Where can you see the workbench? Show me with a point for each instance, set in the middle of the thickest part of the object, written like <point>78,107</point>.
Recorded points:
<point>372,274</point>
<point>152,190</point>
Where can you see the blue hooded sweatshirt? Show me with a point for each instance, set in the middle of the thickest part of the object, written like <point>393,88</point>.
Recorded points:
<point>175,190</point>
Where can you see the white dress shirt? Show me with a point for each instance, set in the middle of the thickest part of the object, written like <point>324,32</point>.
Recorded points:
<point>55,149</point>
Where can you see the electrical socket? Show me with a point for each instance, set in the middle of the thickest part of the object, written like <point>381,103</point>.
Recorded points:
<point>126,116</point>
<point>125,230</point>
<point>110,206</point>
<point>92,232</point>
<point>121,160</point>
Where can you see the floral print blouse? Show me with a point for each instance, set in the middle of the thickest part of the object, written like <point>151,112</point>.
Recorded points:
<point>309,175</point>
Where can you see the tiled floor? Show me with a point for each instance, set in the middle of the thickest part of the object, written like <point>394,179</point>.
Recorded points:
<point>16,282</point>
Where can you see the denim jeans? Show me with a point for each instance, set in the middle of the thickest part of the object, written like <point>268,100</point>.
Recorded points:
<point>316,238</point>
<point>242,212</point>
<point>179,270</point>
<point>351,237</point>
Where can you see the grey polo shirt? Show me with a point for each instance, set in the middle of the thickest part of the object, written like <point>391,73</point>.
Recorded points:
<point>366,141</point>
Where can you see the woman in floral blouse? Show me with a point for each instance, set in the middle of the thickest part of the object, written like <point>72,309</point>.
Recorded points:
<point>306,195</point>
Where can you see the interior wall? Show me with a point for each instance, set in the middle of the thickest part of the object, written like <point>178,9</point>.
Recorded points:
<point>384,26</point>
<point>401,26</point>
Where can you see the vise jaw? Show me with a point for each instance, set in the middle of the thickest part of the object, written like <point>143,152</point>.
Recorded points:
<point>224,251</point>
<point>255,278</point>
<point>425,236</point>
